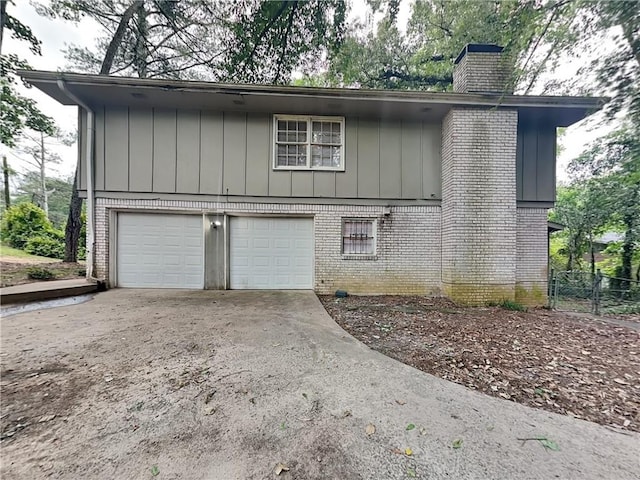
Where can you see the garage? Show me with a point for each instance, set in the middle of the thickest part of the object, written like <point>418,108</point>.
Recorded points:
<point>271,253</point>
<point>157,250</point>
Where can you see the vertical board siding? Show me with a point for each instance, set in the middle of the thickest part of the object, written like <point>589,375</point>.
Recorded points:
<point>211,152</point>
<point>302,184</point>
<point>546,165</point>
<point>140,149</point>
<point>235,153</point>
<point>324,184</point>
<point>368,158</point>
<point>390,154</point>
<point>116,149</point>
<point>258,145</point>
<point>164,150</point>
<point>431,161</point>
<point>536,162</point>
<point>81,176</point>
<point>530,142</point>
<point>347,181</point>
<point>231,153</point>
<point>188,151</point>
<point>99,149</point>
<point>411,160</point>
<point>519,162</point>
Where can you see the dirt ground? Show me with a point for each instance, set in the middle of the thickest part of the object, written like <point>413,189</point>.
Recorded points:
<point>564,363</point>
<point>169,384</point>
<point>16,271</point>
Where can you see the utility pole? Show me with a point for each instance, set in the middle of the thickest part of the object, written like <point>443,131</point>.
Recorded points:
<point>5,174</point>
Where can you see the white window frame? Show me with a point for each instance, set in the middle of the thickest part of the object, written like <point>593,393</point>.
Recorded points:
<point>374,228</point>
<point>309,119</point>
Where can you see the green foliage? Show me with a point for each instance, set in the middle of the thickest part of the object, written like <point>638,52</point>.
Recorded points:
<point>22,222</point>
<point>611,170</point>
<point>508,305</point>
<point>269,40</point>
<point>17,111</point>
<point>51,245</point>
<point>29,190</point>
<point>40,273</point>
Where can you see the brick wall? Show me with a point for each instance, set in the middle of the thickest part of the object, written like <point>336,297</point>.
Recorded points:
<point>479,204</point>
<point>407,259</point>
<point>481,72</point>
<point>532,255</point>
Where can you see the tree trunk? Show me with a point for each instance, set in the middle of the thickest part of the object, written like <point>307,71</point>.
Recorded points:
<point>627,253</point>
<point>593,256</point>
<point>5,174</point>
<point>74,225</point>
<point>43,178</point>
<point>115,42</point>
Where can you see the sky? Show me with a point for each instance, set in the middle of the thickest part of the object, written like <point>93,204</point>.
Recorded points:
<point>58,34</point>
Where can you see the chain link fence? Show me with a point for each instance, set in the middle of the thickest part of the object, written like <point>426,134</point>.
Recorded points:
<point>599,294</point>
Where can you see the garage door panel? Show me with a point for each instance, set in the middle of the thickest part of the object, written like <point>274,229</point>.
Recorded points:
<point>264,253</point>
<point>160,251</point>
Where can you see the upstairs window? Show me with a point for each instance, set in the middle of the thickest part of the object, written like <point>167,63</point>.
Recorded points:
<point>308,143</point>
<point>359,236</point>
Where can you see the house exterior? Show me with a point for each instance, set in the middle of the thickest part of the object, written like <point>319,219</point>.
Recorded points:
<point>203,185</point>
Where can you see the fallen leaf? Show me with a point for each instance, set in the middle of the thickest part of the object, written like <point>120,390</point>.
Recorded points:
<point>371,429</point>
<point>411,426</point>
<point>397,451</point>
<point>281,467</point>
<point>423,431</point>
<point>155,471</point>
<point>550,444</point>
<point>411,473</point>
<point>408,452</point>
<point>401,402</point>
<point>304,395</point>
<point>457,443</point>
<point>210,410</point>
<point>346,413</point>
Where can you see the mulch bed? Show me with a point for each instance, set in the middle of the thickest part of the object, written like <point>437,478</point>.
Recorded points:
<point>544,359</point>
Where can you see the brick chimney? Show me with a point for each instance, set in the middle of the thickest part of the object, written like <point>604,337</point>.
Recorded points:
<point>482,69</point>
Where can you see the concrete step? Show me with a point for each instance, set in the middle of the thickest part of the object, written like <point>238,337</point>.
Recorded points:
<point>38,291</point>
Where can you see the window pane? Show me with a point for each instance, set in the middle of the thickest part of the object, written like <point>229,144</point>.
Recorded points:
<point>326,133</point>
<point>357,237</point>
<point>325,156</point>
<point>292,156</point>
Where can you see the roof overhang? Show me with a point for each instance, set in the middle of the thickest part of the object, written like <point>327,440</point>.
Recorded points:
<point>96,90</point>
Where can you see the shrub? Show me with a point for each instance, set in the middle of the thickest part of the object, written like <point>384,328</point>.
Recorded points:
<point>45,246</point>
<point>509,305</point>
<point>40,273</point>
<point>22,222</point>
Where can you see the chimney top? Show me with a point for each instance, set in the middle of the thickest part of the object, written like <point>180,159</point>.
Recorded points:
<point>478,48</point>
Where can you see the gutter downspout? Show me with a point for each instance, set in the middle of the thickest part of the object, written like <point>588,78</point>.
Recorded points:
<point>90,191</point>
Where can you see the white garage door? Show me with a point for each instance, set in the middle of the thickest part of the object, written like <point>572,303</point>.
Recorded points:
<point>160,251</point>
<point>271,253</point>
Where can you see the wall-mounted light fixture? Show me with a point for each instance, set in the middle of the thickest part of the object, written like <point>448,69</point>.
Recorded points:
<point>216,224</point>
<point>386,211</point>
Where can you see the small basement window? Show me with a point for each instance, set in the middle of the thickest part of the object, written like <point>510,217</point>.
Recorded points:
<point>359,236</point>
<point>308,143</point>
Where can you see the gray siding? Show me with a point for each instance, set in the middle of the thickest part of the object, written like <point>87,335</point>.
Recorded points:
<point>536,162</point>
<point>231,153</point>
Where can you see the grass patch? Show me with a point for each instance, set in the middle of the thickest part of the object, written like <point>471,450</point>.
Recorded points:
<point>7,251</point>
<point>508,305</point>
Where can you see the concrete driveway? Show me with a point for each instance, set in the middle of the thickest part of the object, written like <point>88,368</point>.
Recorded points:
<point>225,385</point>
